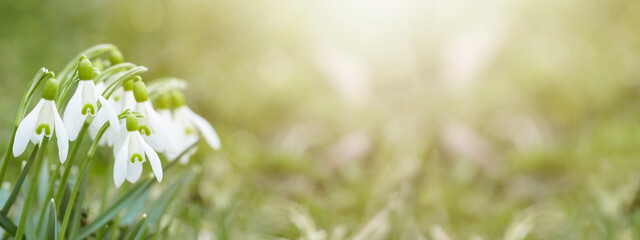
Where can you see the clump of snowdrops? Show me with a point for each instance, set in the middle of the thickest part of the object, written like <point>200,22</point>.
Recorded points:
<point>101,100</point>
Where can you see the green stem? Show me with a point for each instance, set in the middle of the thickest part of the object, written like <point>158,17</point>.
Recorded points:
<point>52,182</point>
<point>89,53</point>
<point>76,187</point>
<point>18,186</point>
<point>126,76</point>
<point>32,190</point>
<point>70,159</point>
<point>7,155</point>
<point>105,189</point>
<point>116,226</point>
<point>113,70</point>
<point>134,231</point>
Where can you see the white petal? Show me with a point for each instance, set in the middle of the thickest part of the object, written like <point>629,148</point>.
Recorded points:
<point>205,129</point>
<point>111,113</point>
<point>120,164</point>
<point>73,118</point>
<point>134,171</point>
<point>118,139</point>
<point>154,160</point>
<point>26,129</point>
<point>162,129</point>
<point>100,87</point>
<point>98,121</point>
<point>61,135</point>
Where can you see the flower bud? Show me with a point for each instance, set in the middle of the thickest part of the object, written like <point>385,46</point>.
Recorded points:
<point>85,70</point>
<point>128,85</point>
<point>132,123</point>
<point>177,98</point>
<point>116,57</point>
<point>50,89</point>
<point>140,91</point>
<point>164,101</point>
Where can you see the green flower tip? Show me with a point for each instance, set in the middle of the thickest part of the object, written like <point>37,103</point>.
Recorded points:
<point>116,57</point>
<point>164,101</point>
<point>85,70</point>
<point>132,123</point>
<point>128,85</point>
<point>140,91</point>
<point>50,89</point>
<point>177,98</point>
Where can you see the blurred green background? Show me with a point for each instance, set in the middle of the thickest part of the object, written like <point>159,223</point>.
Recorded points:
<point>382,119</point>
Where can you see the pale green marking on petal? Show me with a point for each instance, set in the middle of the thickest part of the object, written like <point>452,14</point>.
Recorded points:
<point>145,130</point>
<point>47,129</point>
<point>88,109</point>
<point>136,157</point>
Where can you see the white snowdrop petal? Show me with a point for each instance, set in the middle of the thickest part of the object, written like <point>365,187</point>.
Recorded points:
<point>111,114</point>
<point>98,121</point>
<point>161,128</point>
<point>61,135</point>
<point>120,164</point>
<point>205,129</point>
<point>134,171</point>
<point>118,139</point>
<point>154,160</point>
<point>72,116</point>
<point>100,87</point>
<point>26,129</point>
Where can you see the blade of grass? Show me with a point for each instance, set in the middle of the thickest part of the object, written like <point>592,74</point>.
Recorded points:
<point>20,181</point>
<point>69,162</point>
<point>113,210</point>
<point>52,232</point>
<point>134,231</point>
<point>32,191</point>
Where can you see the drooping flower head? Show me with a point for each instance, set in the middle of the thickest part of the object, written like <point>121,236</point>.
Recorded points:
<point>84,102</point>
<point>134,151</point>
<point>43,121</point>
<point>153,127</point>
<point>189,126</point>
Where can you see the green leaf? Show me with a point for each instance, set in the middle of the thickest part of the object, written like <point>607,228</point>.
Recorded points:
<point>134,208</point>
<point>21,178</point>
<point>43,182</point>
<point>134,231</point>
<point>52,232</point>
<point>113,210</point>
<point>160,205</point>
<point>8,225</point>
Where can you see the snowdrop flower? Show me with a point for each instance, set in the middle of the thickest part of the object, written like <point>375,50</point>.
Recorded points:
<point>84,102</point>
<point>189,126</point>
<point>128,102</point>
<point>133,152</point>
<point>42,121</point>
<point>154,129</point>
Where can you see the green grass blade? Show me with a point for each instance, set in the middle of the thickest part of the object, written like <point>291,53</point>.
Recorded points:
<point>52,232</point>
<point>134,231</point>
<point>8,225</point>
<point>20,181</point>
<point>160,205</point>
<point>113,210</point>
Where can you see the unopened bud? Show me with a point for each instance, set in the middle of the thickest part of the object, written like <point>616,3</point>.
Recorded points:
<point>140,91</point>
<point>85,70</point>
<point>50,89</point>
<point>132,123</point>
